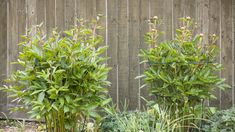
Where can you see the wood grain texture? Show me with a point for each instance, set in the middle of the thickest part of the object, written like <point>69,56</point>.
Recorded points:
<point>226,49</point>
<point>202,26</point>
<point>178,12</point>
<point>144,16</point>
<point>214,28</point>
<point>90,9</point>
<point>60,14</point>
<point>3,54</point>
<point>69,13</point>
<point>112,52</point>
<point>50,16</point>
<point>17,27</point>
<point>41,12</point>
<point>158,8</point>
<point>81,9</point>
<point>123,53</point>
<point>101,6</point>
<point>134,44</point>
<point>233,84</point>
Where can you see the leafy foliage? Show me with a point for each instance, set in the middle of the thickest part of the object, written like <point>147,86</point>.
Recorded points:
<point>155,119</point>
<point>126,121</point>
<point>222,121</point>
<point>64,76</point>
<point>182,71</point>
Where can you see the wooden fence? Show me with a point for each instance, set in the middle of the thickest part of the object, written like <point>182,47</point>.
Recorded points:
<point>125,24</point>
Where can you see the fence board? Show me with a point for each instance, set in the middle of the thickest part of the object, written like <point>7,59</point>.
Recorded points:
<point>90,9</point>
<point>50,15</point>
<point>3,54</point>
<point>41,12</point>
<point>69,13</point>
<point>158,8</point>
<point>233,83</point>
<point>101,7</point>
<point>123,52</point>
<point>60,15</point>
<point>214,28</point>
<point>17,21</point>
<point>112,41</point>
<point>226,49</point>
<point>81,9</point>
<point>144,16</point>
<point>134,44</point>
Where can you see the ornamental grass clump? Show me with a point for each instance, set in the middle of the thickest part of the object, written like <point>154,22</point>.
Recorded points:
<point>63,77</point>
<point>181,73</point>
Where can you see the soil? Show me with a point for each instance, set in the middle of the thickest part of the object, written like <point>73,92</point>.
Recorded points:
<point>19,126</point>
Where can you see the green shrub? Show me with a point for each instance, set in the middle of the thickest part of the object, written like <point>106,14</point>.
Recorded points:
<point>181,73</point>
<point>63,78</point>
<point>221,121</point>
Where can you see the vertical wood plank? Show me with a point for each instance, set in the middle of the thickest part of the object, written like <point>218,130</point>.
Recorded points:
<point>214,28</point>
<point>123,52</point>
<point>183,8</point>
<point>134,44</point>
<point>50,16</point>
<point>41,12</point>
<point>112,52</point>
<point>60,15</point>
<point>31,13</point>
<point>3,54</point>
<point>202,26</point>
<point>178,12</point>
<point>101,6</point>
<point>17,27</point>
<point>189,8</point>
<point>21,11</point>
<point>90,9</point>
<point>201,18</point>
<point>144,16</point>
<point>69,13</point>
<point>163,10</point>
<point>233,85</point>
<point>226,49</point>
<point>13,35</point>
<point>81,9</point>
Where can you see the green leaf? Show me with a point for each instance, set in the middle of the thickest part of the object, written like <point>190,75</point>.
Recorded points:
<point>41,96</point>
<point>105,102</point>
<point>55,107</point>
<point>66,109</point>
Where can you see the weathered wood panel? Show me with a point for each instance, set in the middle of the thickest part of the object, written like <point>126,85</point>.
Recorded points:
<point>233,81</point>
<point>60,14</point>
<point>50,16</point>
<point>214,28</point>
<point>70,12</point>
<point>3,54</point>
<point>134,44</point>
<point>125,24</point>
<point>112,41</point>
<point>226,50</point>
<point>144,16</point>
<point>123,53</point>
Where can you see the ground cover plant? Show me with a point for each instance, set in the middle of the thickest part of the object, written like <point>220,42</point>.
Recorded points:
<point>181,72</point>
<point>221,121</point>
<point>63,77</point>
<point>155,119</point>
